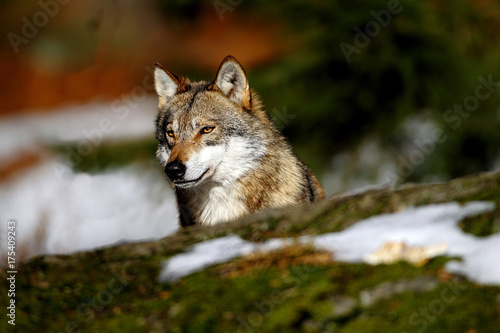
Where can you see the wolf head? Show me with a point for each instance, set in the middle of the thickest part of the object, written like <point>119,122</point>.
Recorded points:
<point>208,132</point>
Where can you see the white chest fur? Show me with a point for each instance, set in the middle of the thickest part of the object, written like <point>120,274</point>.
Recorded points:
<point>217,204</point>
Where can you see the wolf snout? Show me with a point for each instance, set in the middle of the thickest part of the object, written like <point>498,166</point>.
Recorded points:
<point>175,170</point>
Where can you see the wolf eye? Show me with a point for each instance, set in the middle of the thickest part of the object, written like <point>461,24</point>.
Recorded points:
<point>207,129</point>
<point>170,133</point>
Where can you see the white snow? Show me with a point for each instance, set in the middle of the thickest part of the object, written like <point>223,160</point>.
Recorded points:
<point>81,211</point>
<point>212,252</point>
<point>426,225</point>
<point>94,122</point>
<point>421,226</point>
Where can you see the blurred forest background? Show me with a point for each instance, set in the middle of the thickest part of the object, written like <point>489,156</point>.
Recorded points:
<point>365,116</point>
<point>368,93</point>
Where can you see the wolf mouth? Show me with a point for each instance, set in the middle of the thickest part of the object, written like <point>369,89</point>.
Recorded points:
<point>189,183</point>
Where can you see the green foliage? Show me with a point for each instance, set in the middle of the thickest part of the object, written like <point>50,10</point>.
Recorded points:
<point>427,58</point>
<point>424,57</point>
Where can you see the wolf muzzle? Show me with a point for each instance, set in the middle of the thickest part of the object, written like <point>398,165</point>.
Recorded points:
<point>175,170</point>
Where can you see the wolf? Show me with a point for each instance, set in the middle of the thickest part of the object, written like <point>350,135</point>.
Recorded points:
<point>222,152</point>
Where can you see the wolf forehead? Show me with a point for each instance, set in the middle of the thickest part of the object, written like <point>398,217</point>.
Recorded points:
<point>196,98</point>
<point>197,104</point>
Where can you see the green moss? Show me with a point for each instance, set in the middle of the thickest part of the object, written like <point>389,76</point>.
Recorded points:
<point>292,298</point>
<point>297,297</point>
<point>482,225</point>
<point>449,308</point>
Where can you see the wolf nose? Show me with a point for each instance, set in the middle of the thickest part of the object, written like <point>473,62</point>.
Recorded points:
<point>175,170</point>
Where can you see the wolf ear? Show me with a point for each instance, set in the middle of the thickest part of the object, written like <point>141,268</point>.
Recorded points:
<point>167,84</point>
<point>232,81</point>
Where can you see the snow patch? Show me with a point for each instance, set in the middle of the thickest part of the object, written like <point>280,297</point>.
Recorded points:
<point>82,211</point>
<point>94,122</point>
<point>421,226</point>
<point>213,252</point>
